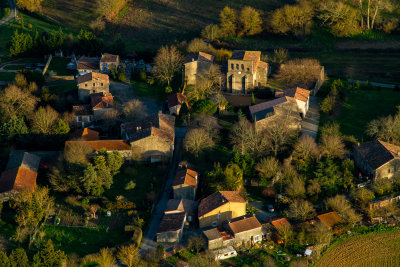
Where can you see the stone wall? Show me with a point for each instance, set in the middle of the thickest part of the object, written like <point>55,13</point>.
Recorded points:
<point>85,91</point>
<point>149,146</point>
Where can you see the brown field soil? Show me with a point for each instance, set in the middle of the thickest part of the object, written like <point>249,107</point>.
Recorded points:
<point>375,249</point>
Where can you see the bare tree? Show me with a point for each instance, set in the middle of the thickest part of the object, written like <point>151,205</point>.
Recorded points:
<point>321,234</point>
<point>267,168</point>
<point>211,32</point>
<point>305,149</point>
<point>107,258</point>
<point>134,110</point>
<point>168,62</point>
<point>245,139</point>
<point>206,259</point>
<point>296,188</point>
<point>341,205</point>
<point>207,83</point>
<point>196,243</point>
<point>300,72</point>
<point>301,210</point>
<point>77,152</point>
<point>208,123</point>
<point>285,232</point>
<point>44,119</point>
<point>332,146</point>
<point>30,5</point>
<point>219,100</point>
<point>197,140</point>
<point>386,129</point>
<point>129,255</point>
<point>16,102</point>
<point>313,188</point>
<point>110,9</point>
<point>197,45</point>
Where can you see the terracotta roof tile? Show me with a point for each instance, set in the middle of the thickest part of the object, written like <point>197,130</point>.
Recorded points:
<point>200,56</point>
<point>218,199</point>
<point>102,100</point>
<point>244,224</point>
<point>377,153</point>
<point>82,110</point>
<point>85,134</point>
<point>186,177</point>
<point>171,222</point>
<point>18,179</point>
<point>109,58</point>
<point>330,219</point>
<point>176,99</point>
<point>296,93</point>
<point>94,76</point>
<point>109,145</point>
<point>212,234</point>
<point>278,224</point>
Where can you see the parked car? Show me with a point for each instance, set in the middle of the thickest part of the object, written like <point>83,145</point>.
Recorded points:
<point>270,208</point>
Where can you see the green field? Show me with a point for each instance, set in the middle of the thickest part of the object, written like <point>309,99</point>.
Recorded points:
<point>59,66</point>
<point>15,67</point>
<point>376,249</point>
<point>361,107</point>
<point>7,76</point>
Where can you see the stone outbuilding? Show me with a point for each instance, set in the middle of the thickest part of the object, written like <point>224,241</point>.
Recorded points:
<point>175,103</point>
<point>108,61</point>
<point>88,64</point>
<point>298,95</point>
<point>171,228</point>
<point>101,104</point>
<point>92,83</point>
<point>195,64</point>
<point>377,159</point>
<point>185,184</point>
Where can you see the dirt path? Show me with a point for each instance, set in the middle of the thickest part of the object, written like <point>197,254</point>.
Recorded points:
<point>309,126</point>
<point>13,13</point>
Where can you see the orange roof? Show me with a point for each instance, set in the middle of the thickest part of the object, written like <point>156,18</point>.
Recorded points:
<point>102,100</point>
<point>393,149</point>
<point>245,224</point>
<point>85,134</point>
<point>93,76</point>
<point>186,177</point>
<point>263,65</point>
<point>280,223</point>
<point>330,219</point>
<point>109,58</point>
<point>296,93</point>
<point>109,145</point>
<point>206,56</point>
<point>18,179</point>
<point>252,55</point>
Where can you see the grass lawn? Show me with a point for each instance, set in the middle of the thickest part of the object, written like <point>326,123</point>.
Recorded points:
<point>83,241</point>
<point>63,87</point>
<point>148,178</point>
<point>15,67</point>
<point>59,66</point>
<point>375,249</point>
<point>361,107</point>
<point>7,76</point>
<point>146,90</point>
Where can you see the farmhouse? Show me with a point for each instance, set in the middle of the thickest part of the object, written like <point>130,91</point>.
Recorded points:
<point>330,219</point>
<point>101,104</point>
<point>20,173</point>
<point>194,65</point>
<point>83,115</point>
<point>246,71</point>
<point>377,159</point>
<point>284,108</point>
<point>219,207</point>
<point>298,95</point>
<point>92,83</point>
<point>171,227</point>
<point>182,205</point>
<point>185,184</point>
<point>88,64</point>
<point>175,102</point>
<point>108,61</point>
<point>152,138</point>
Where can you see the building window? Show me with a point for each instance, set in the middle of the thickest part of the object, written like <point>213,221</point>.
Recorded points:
<point>388,170</point>
<point>248,69</point>
<point>85,84</point>
<point>232,66</point>
<point>237,66</point>
<point>94,84</point>
<point>93,91</point>
<point>101,84</point>
<point>257,238</point>
<point>219,215</point>
<point>242,67</point>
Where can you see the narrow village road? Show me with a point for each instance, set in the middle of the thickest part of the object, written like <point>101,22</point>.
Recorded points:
<point>309,126</point>
<point>383,85</point>
<point>148,242</point>
<point>13,13</point>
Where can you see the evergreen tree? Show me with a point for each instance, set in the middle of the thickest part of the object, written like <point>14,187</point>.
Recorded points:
<point>253,100</point>
<point>4,261</point>
<point>228,18</point>
<point>62,128</point>
<point>18,258</point>
<point>12,127</point>
<point>51,257</point>
<point>328,175</point>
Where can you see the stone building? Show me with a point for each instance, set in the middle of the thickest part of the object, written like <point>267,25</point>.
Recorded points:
<point>171,228</point>
<point>219,207</point>
<point>108,61</point>
<point>152,138</point>
<point>246,71</point>
<point>182,205</point>
<point>101,104</point>
<point>175,102</point>
<point>83,115</point>
<point>120,146</point>
<point>235,232</point>
<point>194,65</point>
<point>92,83</point>
<point>282,108</point>
<point>298,95</point>
<point>377,159</point>
<point>185,184</point>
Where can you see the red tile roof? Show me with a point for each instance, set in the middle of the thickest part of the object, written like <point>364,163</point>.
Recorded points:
<point>296,93</point>
<point>171,222</point>
<point>109,58</point>
<point>88,63</point>
<point>109,145</point>
<point>330,219</point>
<point>200,56</point>
<point>18,179</point>
<point>280,222</point>
<point>244,224</point>
<point>102,100</point>
<point>94,76</point>
<point>218,199</point>
<point>186,177</point>
<point>85,134</point>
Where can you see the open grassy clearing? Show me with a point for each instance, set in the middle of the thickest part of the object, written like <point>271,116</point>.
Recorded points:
<point>375,249</point>
<point>15,67</point>
<point>7,76</point>
<point>361,107</point>
<point>58,65</point>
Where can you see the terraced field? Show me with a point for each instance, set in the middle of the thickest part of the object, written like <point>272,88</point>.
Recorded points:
<point>382,249</point>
